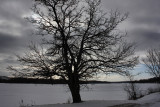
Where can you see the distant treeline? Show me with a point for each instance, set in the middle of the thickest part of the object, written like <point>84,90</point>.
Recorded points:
<point>41,81</point>
<point>150,80</point>
<point>31,80</point>
<point>59,81</point>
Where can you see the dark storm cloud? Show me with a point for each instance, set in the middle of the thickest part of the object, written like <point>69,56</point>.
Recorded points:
<point>143,23</point>
<point>141,12</point>
<point>148,35</point>
<point>13,11</point>
<point>146,12</point>
<point>8,42</point>
<point>146,39</point>
<point>14,30</point>
<point>153,20</point>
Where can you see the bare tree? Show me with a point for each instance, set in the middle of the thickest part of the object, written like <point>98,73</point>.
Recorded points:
<point>131,88</point>
<point>84,42</point>
<point>152,62</point>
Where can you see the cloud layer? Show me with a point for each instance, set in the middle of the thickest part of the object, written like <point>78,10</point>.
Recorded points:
<point>143,24</point>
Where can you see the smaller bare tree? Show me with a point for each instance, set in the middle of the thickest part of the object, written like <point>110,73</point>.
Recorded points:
<point>131,88</point>
<point>152,62</point>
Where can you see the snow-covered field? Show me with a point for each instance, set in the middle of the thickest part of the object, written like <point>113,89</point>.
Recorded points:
<point>13,95</point>
<point>151,100</point>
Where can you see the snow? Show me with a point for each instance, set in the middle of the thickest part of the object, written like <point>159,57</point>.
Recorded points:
<point>152,100</point>
<point>12,95</point>
<point>87,104</point>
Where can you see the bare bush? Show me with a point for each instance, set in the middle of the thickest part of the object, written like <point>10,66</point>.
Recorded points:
<point>132,89</point>
<point>22,104</point>
<point>153,90</point>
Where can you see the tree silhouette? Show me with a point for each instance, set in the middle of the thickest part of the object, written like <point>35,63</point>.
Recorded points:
<point>83,42</point>
<point>152,62</point>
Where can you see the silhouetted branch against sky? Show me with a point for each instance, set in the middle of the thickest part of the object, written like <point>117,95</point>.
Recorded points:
<point>142,25</point>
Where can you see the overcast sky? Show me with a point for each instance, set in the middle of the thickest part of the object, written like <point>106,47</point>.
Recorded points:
<point>143,26</point>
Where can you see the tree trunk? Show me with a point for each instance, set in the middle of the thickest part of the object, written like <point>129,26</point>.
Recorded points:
<point>76,96</point>
<point>75,92</point>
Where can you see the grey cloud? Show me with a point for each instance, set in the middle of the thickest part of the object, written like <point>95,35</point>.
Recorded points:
<point>144,19</point>
<point>8,42</point>
<point>14,30</point>
<point>12,23</point>
<point>5,61</point>
<point>147,35</point>
<point>14,10</point>
<point>12,14</point>
<point>138,9</point>
<point>146,39</point>
<point>148,20</point>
